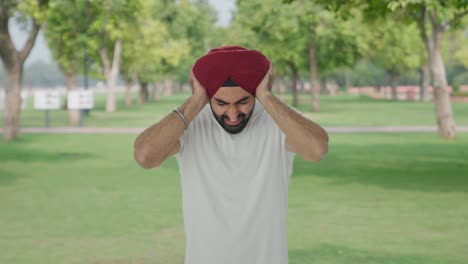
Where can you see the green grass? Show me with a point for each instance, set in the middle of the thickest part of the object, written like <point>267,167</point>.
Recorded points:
<point>375,198</point>
<point>348,110</point>
<point>343,110</point>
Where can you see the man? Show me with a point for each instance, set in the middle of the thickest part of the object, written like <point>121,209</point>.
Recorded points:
<point>234,142</point>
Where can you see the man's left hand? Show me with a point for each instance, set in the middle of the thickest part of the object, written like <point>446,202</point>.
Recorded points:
<point>266,84</point>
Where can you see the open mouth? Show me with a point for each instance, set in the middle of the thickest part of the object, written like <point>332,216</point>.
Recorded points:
<point>232,123</point>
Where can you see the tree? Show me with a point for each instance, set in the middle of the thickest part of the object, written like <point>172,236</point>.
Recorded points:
<point>110,21</point>
<point>32,14</point>
<point>303,29</point>
<point>254,26</point>
<point>395,47</point>
<point>151,52</point>
<point>193,22</point>
<point>440,15</point>
<point>456,46</point>
<point>434,18</point>
<point>65,32</point>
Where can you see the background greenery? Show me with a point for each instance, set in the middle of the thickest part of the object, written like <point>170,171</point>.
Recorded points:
<point>375,198</point>
<point>342,110</point>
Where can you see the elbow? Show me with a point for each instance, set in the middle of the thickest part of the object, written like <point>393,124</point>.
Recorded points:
<point>319,149</point>
<point>318,153</point>
<point>145,160</point>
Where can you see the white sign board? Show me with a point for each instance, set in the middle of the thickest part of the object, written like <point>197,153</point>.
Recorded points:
<point>47,100</point>
<point>24,99</point>
<point>80,99</point>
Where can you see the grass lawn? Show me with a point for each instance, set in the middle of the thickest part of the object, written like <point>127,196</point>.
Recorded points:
<point>376,198</point>
<point>343,110</point>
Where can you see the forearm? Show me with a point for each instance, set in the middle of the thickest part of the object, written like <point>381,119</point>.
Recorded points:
<point>155,143</point>
<point>303,136</point>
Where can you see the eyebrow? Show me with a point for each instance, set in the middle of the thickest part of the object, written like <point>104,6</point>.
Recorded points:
<point>238,102</point>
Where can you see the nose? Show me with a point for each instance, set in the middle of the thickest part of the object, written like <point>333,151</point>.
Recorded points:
<point>232,112</point>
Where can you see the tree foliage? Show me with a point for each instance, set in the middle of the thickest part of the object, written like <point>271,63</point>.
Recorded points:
<point>192,23</point>
<point>396,46</point>
<point>150,51</point>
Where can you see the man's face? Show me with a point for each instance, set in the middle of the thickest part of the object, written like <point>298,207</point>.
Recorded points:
<point>232,108</point>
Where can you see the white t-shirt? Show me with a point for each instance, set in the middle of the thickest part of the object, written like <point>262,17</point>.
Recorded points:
<point>235,191</point>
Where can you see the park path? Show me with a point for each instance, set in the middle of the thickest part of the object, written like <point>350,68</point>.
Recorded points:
<point>129,130</point>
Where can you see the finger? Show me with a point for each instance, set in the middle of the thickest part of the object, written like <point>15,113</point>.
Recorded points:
<point>271,70</point>
<point>191,77</point>
<point>271,81</point>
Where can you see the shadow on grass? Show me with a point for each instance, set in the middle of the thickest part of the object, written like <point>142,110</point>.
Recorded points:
<point>8,177</point>
<point>427,167</point>
<point>21,151</point>
<point>33,155</point>
<point>22,156</point>
<point>326,253</point>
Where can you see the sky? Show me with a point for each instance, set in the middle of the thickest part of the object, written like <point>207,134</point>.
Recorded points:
<point>41,52</point>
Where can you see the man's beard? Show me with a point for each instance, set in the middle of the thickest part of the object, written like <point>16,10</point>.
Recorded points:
<point>244,120</point>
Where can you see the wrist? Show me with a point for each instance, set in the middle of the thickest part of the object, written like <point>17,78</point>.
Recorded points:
<point>192,107</point>
<point>198,100</point>
<point>263,95</point>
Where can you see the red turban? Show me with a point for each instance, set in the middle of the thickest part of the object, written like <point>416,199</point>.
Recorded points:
<point>243,66</point>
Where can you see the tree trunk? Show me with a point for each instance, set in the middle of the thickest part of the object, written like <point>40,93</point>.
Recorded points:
<point>300,84</point>
<point>73,114</point>
<point>424,81</point>
<point>128,93</point>
<point>128,90</point>
<point>315,87</point>
<point>323,86</point>
<point>13,60</point>
<point>293,82</point>
<point>281,88</point>
<point>348,79</point>
<point>394,77</point>
<point>168,87</point>
<point>178,87</point>
<point>333,87</point>
<point>111,71</point>
<point>12,106</point>
<point>111,100</point>
<point>144,93</point>
<point>443,105</point>
<point>156,92</point>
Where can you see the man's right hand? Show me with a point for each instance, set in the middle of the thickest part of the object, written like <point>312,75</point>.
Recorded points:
<point>198,91</point>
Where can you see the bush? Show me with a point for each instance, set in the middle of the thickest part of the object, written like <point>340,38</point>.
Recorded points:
<point>458,93</point>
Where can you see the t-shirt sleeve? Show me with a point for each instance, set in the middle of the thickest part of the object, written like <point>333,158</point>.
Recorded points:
<point>283,136</point>
<point>289,153</point>
<point>182,141</point>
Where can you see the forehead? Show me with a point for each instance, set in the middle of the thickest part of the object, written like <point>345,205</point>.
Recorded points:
<point>231,93</point>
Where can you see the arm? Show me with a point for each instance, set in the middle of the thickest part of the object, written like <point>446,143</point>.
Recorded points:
<point>304,137</point>
<point>161,140</point>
